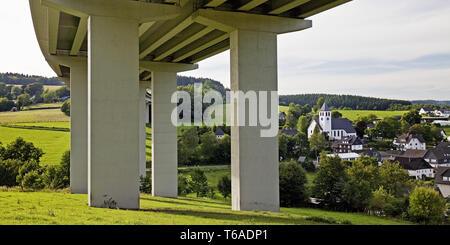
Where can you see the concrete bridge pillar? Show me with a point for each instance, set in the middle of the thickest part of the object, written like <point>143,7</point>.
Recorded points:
<point>253,54</point>
<point>113,112</point>
<point>143,118</point>
<point>254,159</point>
<point>164,132</point>
<point>78,128</point>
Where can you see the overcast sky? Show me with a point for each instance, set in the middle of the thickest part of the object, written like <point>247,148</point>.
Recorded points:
<point>381,48</point>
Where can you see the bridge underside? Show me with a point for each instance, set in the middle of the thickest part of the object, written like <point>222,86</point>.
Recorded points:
<point>111,51</point>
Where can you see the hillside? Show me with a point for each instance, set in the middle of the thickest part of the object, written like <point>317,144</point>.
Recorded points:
<point>207,83</point>
<point>431,102</point>
<point>22,79</point>
<point>342,101</point>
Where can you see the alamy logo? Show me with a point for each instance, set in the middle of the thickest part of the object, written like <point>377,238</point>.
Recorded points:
<point>250,108</point>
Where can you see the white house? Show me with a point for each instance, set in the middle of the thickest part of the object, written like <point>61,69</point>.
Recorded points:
<point>416,167</point>
<point>410,142</point>
<point>336,128</point>
<point>219,133</point>
<point>346,156</point>
<point>426,111</point>
<point>442,113</point>
<point>442,181</point>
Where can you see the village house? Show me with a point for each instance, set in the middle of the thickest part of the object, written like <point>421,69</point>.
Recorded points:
<point>442,113</point>
<point>410,142</point>
<point>347,144</point>
<point>426,111</point>
<point>219,134</point>
<point>290,132</point>
<point>416,167</point>
<point>335,128</point>
<point>439,156</point>
<point>351,156</point>
<point>442,181</point>
<point>370,153</point>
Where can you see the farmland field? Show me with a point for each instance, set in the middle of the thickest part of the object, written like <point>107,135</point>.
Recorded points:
<point>355,114</point>
<point>38,208</point>
<point>50,115</point>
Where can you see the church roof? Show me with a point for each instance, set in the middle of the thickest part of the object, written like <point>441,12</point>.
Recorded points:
<point>342,124</point>
<point>325,107</point>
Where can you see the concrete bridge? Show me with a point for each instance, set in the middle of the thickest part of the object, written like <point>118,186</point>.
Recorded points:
<point>111,51</point>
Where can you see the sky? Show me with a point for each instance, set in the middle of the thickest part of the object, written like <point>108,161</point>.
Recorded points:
<point>391,49</point>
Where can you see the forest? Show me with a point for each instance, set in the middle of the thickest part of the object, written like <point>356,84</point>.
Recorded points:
<point>343,101</point>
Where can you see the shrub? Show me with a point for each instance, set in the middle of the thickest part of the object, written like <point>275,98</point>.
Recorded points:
<point>308,166</point>
<point>65,108</point>
<point>32,180</point>
<point>58,177</point>
<point>183,185</point>
<point>146,184</point>
<point>27,167</point>
<point>6,105</point>
<point>426,206</point>
<point>211,192</point>
<point>224,186</point>
<point>9,169</point>
<point>293,191</point>
<point>22,150</point>
<point>199,183</point>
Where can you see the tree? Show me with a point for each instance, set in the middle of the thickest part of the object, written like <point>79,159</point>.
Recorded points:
<point>34,89</point>
<point>9,169</point>
<point>426,206</point>
<point>389,127</point>
<point>62,92</point>
<point>23,100</point>
<point>293,191</point>
<point>224,186</point>
<point>283,142</point>
<point>65,108</point>
<point>207,147</point>
<point>393,178</point>
<point>16,91</point>
<point>3,90</point>
<point>291,120</point>
<point>380,198</point>
<point>302,124</point>
<point>336,114</point>
<point>27,167</point>
<point>360,128</point>
<point>49,96</point>
<point>22,150</point>
<point>317,141</point>
<point>224,149</point>
<point>301,143</point>
<point>199,183</point>
<point>329,182</point>
<point>362,180</point>
<point>412,117</point>
<point>5,104</point>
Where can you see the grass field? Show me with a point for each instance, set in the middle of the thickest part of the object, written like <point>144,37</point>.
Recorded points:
<point>39,208</point>
<point>43,105</point>
<point>50,115</point>
<point>355,114</point>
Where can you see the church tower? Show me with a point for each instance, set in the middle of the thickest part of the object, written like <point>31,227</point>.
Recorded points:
<point>325,118</point>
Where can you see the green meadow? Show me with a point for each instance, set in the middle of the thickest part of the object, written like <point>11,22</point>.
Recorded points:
<point>60,208</point>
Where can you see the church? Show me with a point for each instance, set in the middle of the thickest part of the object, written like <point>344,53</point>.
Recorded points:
<point>336,128</point>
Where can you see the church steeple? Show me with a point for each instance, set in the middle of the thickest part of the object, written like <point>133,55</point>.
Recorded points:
<point>325,118</point>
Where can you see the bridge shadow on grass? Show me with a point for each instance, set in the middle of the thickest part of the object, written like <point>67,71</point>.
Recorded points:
<point>241,217</point>
<point>174,201</point>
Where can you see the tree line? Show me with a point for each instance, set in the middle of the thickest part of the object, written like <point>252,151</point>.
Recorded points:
<point>342,101</point>
<point>23,79</point>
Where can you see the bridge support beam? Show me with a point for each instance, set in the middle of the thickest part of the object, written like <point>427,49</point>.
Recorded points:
<point>113,112</point>
<point>254,159</point>
<point>78,128</point>
<point>164,132</point>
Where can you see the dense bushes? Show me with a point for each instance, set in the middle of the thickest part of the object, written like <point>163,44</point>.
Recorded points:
<point>65,108</point>
<point>426,206</point>
<point>6,105</point>
<point>293,192</point>
<point>19,166</point>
